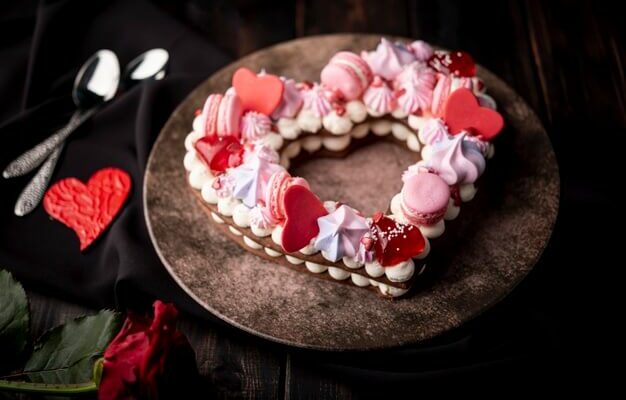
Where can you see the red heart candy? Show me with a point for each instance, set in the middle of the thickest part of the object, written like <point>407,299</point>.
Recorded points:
<point>463,113</point>
<point>302,209</point>
<point>258,93</point>
<point>88,209</point>
<point>218,155</point>
<point>395,242</point>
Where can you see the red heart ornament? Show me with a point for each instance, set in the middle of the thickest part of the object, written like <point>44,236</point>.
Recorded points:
<point>302,209</point>
<point>395,242</point>
<point>258,93</point>
<point>219,154</point>
<point>88,209</point>
<point>463,113</point>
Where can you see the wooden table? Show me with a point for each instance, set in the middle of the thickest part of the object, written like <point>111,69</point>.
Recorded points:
<point>567,60</point>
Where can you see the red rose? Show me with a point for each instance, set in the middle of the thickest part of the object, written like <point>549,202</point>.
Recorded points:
<point>148,358</point>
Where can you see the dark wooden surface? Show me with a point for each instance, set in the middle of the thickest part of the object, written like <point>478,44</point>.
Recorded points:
<point>565,58</point>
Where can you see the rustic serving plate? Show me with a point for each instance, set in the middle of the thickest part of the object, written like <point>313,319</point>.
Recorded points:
<point>487,251</point>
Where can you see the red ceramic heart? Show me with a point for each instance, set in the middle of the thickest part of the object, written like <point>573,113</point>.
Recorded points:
<point>395,242</point>
<point>463,113</point>
<point>88,209</point>
<point>258,93</point>
<point>302,209</point>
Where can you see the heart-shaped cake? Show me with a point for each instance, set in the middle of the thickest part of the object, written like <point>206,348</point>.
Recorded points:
<point>243,141</point>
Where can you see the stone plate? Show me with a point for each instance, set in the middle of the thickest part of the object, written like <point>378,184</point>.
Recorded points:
<point>487,251</point>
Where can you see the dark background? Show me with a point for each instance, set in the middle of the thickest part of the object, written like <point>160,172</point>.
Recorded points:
<point>565,58</point>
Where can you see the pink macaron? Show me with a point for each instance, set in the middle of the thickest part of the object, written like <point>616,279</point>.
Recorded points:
<point>276,188</point>
<point>347,73</point>
<point>424,198</point>
<point>229,115</point>
<point>209,114</point>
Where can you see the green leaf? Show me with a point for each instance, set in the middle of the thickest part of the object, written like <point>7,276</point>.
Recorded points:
<point>14,322</point>
<point>66,354</point>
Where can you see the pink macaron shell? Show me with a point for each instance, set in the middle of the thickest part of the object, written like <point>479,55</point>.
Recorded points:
<point>209,114</point>
<point>425,198</point>
<point>347,73</point>
<point>276,186</point>
<point>229,116</point>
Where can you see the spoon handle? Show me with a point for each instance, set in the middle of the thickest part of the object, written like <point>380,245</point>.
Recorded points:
<point>34,191</point>
<point>35,156</point>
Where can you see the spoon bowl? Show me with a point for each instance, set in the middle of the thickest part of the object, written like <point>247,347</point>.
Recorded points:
<point>97,80</point>
<point>151,65</point>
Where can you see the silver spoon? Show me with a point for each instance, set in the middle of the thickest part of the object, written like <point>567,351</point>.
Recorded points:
<point>95,84</point>
<point>151,65</point>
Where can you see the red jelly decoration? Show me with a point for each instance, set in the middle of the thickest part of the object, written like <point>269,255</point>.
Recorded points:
<point>457,63</point>
<point>218,155</point>
<point>395,242</point>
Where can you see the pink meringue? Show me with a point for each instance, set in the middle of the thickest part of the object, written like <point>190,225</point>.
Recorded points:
<point>388,59</point>
<point>315,100</point>
<point>255,125</point>
<point>291,102</point>
<point>379,98</point>
<point>422,50</point>
<point>415,83</point>
<point>456,160</point>
<point>262,218</point>
<point>434,130</point>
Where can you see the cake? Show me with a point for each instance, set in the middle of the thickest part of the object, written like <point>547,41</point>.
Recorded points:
<point>243,141</point>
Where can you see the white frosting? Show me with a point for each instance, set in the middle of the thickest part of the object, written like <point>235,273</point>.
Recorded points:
<point>330,205</point>
<point>216,218</point>
<point>338,273</point>
<point>191,161</point>
<point>288,128</point>
<point>197,124</point>
<point>327,256</point>
<point>374,283</point>
<point>273,140</point>
<point>293,260</point>
<point>337,124</point>
<point>467,192</point>
<point>198,176</point>
<point>400,131</point>
<point>260,232</point>
<point>433,231</point>
<point>360,280</point>
<point>381,128</point>
<point>426,250</point>
<point>208,193</point>
<point>416,122</point>
<point>413,143</point>
<point>452,211</point>
<point>272,252</point>
<point>277,235</point>
<point>251,243</point>
<point>311,143</point>
<point>374,269</point>
<point>226,205</point>
<point>401,272</point>
<point>191,139</point>
<point>308,121</point>
<point>234,231</point>
<point>292,150</point>
<point>356,110</point>
<point>241,215</point>
<point>337,143</point>
<point>315,268</point>
<point>391,291</point>
<point>427,152</point>
<point>309,249</point>
<point>360,131</point>
<point>399,113</point>
<point>375,113</point>
<point>352,263</point>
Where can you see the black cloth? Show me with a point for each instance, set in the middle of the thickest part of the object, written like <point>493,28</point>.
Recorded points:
<point>42,47</point>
